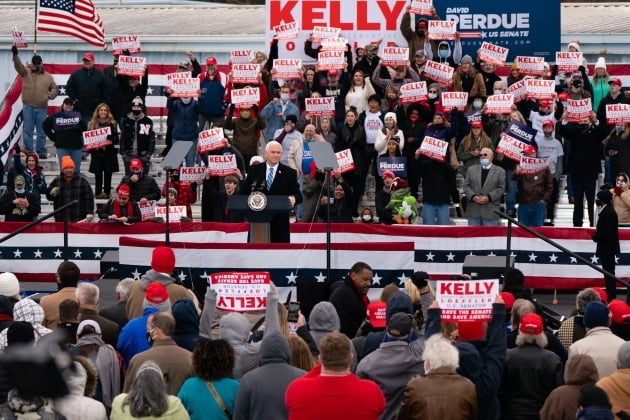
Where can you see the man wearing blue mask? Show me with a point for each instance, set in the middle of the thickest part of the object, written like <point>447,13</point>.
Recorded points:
<point>484,187</point>
<point>19,205</point>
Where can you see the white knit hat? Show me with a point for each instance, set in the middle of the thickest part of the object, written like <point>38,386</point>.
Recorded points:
<point>574,44</point>
<point>9,285</point>
<point>393,116</point>
<point>601,63</point>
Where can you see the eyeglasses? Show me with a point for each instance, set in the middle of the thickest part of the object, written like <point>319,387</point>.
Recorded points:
<point>433,91</point>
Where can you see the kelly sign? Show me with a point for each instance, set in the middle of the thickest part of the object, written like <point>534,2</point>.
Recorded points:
<point>510,147</point>
<point>530,66</point>
<point>129,43</point>
<point>618,114</point>
<point>578,109</point>
<point>442,29</point>
<point>499,104</point>
<point>284,68</point>
<point>452,100</point>
<point>330,60</point>
<point>210,140</point>
<point>394,56</point>
<point>345,162</point>
<point>131,66</point>
<point>334,44</point>
<point>286,30</point>
<point>95,139</point>
<point>177,75</point>
<point>241,56</point>
<point>531,165</point>
<point>245,73</point>
<point>222,165</point>
<point>494,54</point>
<point>175,213</point>
<point>323,32</point>
<point>320,107</point>
<point>434,148</point>
<point>568,61</point>
<point>441,73</point>
<point>18,38</point>
<point>466,300</point>
<point>147,210</point>
<point>421,7</point>
<point>246,97</point>
<point>413,92</point>
<point>518,90</point>
<point>184,87</point>
<point>540,88</point>
<point>192,174</point>
<point>241,291</point>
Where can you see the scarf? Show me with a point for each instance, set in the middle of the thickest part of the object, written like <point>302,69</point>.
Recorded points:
<point>118,209</point>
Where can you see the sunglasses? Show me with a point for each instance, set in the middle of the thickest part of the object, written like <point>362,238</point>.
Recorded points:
<point>433,91</point>
<point>484,154</point>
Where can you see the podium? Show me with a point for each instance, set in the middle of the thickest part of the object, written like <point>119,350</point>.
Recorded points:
<point>259,220</point>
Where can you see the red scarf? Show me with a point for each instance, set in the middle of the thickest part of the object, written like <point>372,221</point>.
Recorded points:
<point>117,209</point>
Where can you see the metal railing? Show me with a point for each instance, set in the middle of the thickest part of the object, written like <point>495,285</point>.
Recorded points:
<point>41,219</point>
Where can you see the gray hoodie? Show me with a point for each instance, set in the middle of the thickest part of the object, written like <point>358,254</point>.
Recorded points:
<point>261,393</point>
<point>323,320</point>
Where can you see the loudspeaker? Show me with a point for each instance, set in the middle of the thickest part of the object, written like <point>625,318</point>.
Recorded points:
<point>310,294</point>
<point>485,267</point>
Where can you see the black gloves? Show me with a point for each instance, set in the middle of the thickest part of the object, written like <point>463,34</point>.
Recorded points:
<point>255,108</point>
<point>14,50</point>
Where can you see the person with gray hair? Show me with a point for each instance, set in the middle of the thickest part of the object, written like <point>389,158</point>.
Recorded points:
<point>530,372</point>
<point>88,295</point>
<point>572,328</point>
<point>617,385</point>
<point>147,397</point>
<point>118,311</point>
<point>442,393</point>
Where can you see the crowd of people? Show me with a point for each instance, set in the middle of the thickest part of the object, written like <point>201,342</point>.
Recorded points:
<point>369,120</point>
<point>162,351</point>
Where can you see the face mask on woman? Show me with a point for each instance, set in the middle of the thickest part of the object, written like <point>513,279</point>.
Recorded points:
<point>366,218</point>
<point>432,95</point>
<point>477,104</point>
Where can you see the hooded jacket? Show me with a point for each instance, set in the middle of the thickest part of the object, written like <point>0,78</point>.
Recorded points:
<point>260,398</point>
<point>617,386</point>
<point>186,331</point>
<point>323,320</point>
<point>175,291</point>
<point>27,310</point>
<point>76,406</point>
<point>562,403</point>
<point>453,57</point>
<point>132,338</point>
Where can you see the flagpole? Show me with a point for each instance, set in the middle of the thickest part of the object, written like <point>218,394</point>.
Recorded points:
<point>35,41</point>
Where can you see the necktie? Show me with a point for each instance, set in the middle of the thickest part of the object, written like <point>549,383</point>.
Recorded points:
<point>269,178</point>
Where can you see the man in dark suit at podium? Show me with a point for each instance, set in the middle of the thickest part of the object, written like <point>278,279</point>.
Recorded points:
<point>274,178</point>
<point>607,238</point>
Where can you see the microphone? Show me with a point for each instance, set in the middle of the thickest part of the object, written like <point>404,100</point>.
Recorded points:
<point>255,186</point>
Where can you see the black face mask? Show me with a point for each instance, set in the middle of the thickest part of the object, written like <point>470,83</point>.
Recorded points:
<point>136,112</point>
<point>149,338</point>
<point>576,83</point>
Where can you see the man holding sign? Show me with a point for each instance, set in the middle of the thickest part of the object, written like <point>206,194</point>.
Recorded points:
<point>534,187</point>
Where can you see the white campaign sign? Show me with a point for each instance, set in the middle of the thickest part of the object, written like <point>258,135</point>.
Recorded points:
<point>245,97</point>
<point>540,88</point>
<point>578,109</point>
<point>18,38</point>
<point>245,73</point>
<point>466,300</point>
<point>184,87</point>
<point>518,90</point>
<point>442,29</point>
<point>192,174</point>
<point>131,66</point>
<point>222,165</point>
<point>434,148</point>
<point>394,56</point>
<point>452,100</point>
<point>318,107</point>
<point>129,43</point>
<point>531,165</point>
<point>147,210</point>
<point>618,114</point>
<point>330,60</point>
<point>531,66</point>
<point>210,140</point>
<point>242,56</point>
<point>441,73</point>
<point>568,61</point>
<point>175,213</point>
<point>284,68</point>
<point>95,139</point>
<point>345,161</point>
<point>413,92</point>
<point>493,53</point>
<point>499,104</point>
<point>241,291</point>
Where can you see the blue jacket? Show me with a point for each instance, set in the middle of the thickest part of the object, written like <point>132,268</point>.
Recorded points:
<point>186,324</point>
<point>133,337</point>
<point>397,302</point>
<point>185,126</point>
<point>211,103</point>
<point>270,114</point>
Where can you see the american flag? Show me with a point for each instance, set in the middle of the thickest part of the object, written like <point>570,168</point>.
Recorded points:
<point>76,18</point>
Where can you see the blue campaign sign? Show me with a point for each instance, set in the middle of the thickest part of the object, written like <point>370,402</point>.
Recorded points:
<point>520,131</point>
<point>398,165</point>
<point>530,28</point>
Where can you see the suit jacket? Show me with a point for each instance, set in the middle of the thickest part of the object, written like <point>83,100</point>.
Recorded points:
<point>284,183</point>
<point>50,304</point>
<point>494,187</point>
<point>116,313</point>
<point>607,233</point>
<point>109,329</point>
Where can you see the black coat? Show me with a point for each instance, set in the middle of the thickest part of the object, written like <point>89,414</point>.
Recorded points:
<point>607,234</point>
<point>284,183</point>
<point>116,313</point>
<point>214,205</point>
<point>145,187</point>
<point>349,306</point>
<point>585,154</point>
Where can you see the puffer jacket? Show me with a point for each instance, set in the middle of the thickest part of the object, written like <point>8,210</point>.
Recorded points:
<point>75,405</point>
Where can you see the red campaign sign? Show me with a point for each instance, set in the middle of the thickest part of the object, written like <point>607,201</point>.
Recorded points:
<point>530,66</point>
<point>241,291</point>
<point>578,109</point>
<point>494,54</point>
<point>245,72</point>
<point>320,107</point>
<point>287,68</point>
<point>413,92</point>
<point>618,114</point>
<point>434,148</point>
<point>330,60</point>
<point>442,30</point>
<point>324,32</point>
<point>540,88</point>
<point>466,300</point>
<point>222,165</point>
<point>395,56</point>
<point>499,104</point>
<point>241,56</point>
<point>510,147</point>
<point>452,100</point>
<point>129,43</point>
<point>518,90</point>
<point>345,162</point>
<point>441,73</point>
<point>569,61</point>
<point>286,30</point>
<point>531,165</point>
<point>147,210</point>
<point>131,66</point>
<point>421,7</point>
<point>210,140</point>
<point>96,139</point>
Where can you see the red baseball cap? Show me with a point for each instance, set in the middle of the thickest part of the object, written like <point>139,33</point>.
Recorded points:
<point>616,81</point>
<point>544,102</point>
<point>529,149</point>
<point>88,56</point>
<point>476,124</point>
<point>548,123</point>
<point>620,311</point>
<point>377,314</point>
<point>136,163</point>
<point>508,298</point>
<point>563,96</point>
<point>123,191</point>
<point>531,324</point>
<point>603,296</point>
<point>471,330</point>
<point>211,61</point>
<point>389,174</point>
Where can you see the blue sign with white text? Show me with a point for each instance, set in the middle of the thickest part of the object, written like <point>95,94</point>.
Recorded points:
<point>529,28</point>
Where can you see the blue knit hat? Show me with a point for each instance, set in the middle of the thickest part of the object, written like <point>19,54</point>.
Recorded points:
<point>596,315</point>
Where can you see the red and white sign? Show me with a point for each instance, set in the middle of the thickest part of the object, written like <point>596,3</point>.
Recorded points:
<point>434,148</point>
<point>395,56</point>
<point>18,38</point>
<point>324,32</point>
<point>518,90</point>
<point>320,107</point>
<point>175,213</point>
<point>421,7</point>
<point>183,87</point>
<point>192,174</point>
<point>286,30</point>
<point>531,165</point>
<point>618,114</point>
<point>95,139</point>
<point>287,68</point>
<point>452,100</point>
<point>466,300</point>
<point>540,88</point>
<point>177,75</point>
<point>334,44</point>
<point>578,109</point>
<point>245,72</point>
<point>241,56</point>
<point>510,147</point>
<point>222,165</point>
<point>442,29</point>
<point>345,162</point>
<point>147,210</point>
<point>241,291</point>
<point>413,92</point>
<point>569,61</point>
<point>530,66</point>
<point>494,54</point>
<point>441,73</point>
<point>330,60</point>
<point>131,66</point>
<point>499,104</point>
<point>244,98</point>
<point>210,140</point>
<point>129,43</point>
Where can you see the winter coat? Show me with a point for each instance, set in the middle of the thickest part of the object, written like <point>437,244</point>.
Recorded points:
<point>270,114</point>
<point>37,88</point>
<point>79,189</point>
<point>585,153</point>
<point>175,292</point>
<point>35,408</point>
<point>105,159</point>
<point>213,91</point>
<point>617,386</point>
<point>145,187</point>
<point>350,307</point>
<point>186,332</point>
<point>88,89</point>
<point>137,130</point>
<point>602,345</point>
<point>175,410</point>
<point>133,337</point>
<point>14,213</point>
<point>185,125</point>
<point>75,405</point>
<point>27,310</point>
<point>65,129</point>
<point>353,138</point>
<point>245,135</point>
<point>35,178</point>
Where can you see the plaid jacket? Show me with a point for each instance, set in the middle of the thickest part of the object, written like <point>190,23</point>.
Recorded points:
<point>78,189</point>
